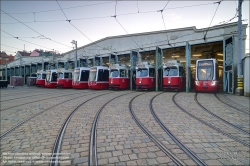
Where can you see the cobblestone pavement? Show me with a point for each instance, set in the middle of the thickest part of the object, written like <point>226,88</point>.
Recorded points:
<point>241,100</point>
<point>240,119</point>
<point>211,146</point>
<point>12,117</point>
<point>119,139</point>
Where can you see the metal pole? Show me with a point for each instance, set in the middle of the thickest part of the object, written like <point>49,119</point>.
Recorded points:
<point>42,63</point>
<point>239,89</point>
<point>20,70</point>
<point>76,55</point>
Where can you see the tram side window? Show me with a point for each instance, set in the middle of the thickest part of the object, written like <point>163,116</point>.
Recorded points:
<point>103,75</point>
<point>151,72</point>
<point>84,75</point>
<point>128,73</point>
<point>181,71</point>
<point>43,76</point>
<point>67,75</point>
<point>123,73</point>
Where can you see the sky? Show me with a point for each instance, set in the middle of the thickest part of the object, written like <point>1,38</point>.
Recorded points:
<point>43,25</point>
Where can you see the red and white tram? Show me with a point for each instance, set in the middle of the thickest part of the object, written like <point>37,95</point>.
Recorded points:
<point>98,77</point>
<point>81,76</point>
<point>206,79</point>
<point>64,78</point>
<point>145,76</point>
<point>51,79</point>
<point>40,80</point>
<point>173,76</point>
<point>119,77</point>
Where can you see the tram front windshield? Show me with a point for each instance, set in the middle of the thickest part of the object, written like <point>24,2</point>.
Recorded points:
<point>53,77</point>
<point>92,74</point>
<point>103,75</point>
<point>41,76</point>
<point>205,70</point>
<point>84,75</point>
<point>60,75</point>
<point>142,72</point>
<point>114,73</point>
<point>171,71</point>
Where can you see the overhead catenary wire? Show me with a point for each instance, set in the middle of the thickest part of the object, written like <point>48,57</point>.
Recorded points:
<point>128,34</point>
<point>122,14</point>
<point>212,19</point>
<point>33,29</point>
<point>164,21</point>
<point>69,20</point>
<point>10,46</point>
<point>25,40</point>
<point>42,11</point>
<point>148,12</point>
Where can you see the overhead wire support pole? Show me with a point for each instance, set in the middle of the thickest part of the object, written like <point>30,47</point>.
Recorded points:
<point>75,42</point>
<point>239,89</point>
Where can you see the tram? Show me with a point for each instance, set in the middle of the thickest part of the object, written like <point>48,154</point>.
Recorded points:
<point>173,76</point>
<point>81,76</point>
<point>145,76</point>
<point>119,77</point>
<point>98,77</point>
<point>64,78</point>
<point>40,80</point>
<point>51,78</point>
<point>206,78</point>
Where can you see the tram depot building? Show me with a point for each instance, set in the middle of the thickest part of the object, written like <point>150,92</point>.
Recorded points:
<point>185,44</point>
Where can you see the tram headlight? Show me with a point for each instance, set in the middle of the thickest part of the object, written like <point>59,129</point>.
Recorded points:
<point>213,83</point>
<point>169,82</point>
<point>197,83</point>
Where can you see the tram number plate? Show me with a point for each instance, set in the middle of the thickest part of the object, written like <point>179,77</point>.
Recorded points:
<point>204,87</point>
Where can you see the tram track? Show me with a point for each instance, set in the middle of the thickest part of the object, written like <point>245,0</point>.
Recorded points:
<point>11,99</point>
<point>175,159</point>
<point>234,106</point>
<point>58,142</point>
<point>214,115</point>
<point>210,125</point>
<point>33,116</point>
<point>47,98</point>
<point>193,156</point>
<point>93,137</point>
<point>19,91</point>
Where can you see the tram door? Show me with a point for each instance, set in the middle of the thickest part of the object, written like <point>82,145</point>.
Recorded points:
<point>228,65</point>
<point>133,60</point>
<point>158,69</point>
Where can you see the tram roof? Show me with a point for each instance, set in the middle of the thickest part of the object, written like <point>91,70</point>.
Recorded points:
<point>83,68</point>
<point>173,63</point>
<point>99,67</point>
<point>118,66</point>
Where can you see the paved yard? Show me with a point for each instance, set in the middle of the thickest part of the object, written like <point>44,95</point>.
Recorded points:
<point>32,117</point>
